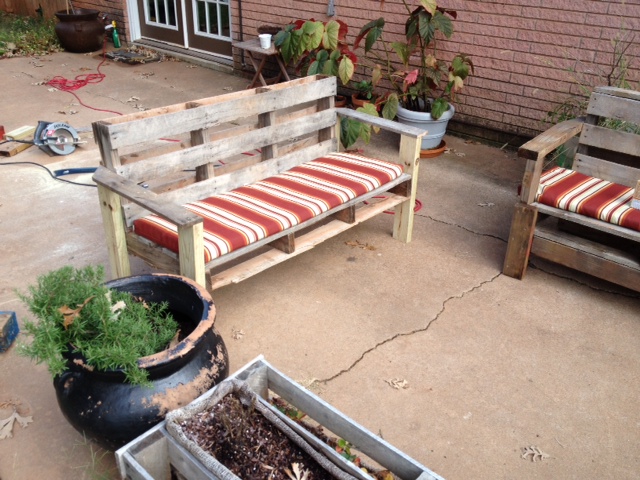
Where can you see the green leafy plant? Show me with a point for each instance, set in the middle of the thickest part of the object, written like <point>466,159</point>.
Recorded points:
<point>25,36</point>
<point>364,89</point>
<point>78,315</point>
<point>430,85</point>
<point>317,48</point>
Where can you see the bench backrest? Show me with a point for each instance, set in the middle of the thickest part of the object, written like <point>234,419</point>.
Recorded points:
<point>604,151</point>
<point>189,151</point>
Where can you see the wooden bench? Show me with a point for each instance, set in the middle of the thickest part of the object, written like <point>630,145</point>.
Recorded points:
<point>577,239</point>
<point>157,161</point>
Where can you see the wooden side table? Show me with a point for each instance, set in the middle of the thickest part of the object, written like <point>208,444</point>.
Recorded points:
<point>253,49</point>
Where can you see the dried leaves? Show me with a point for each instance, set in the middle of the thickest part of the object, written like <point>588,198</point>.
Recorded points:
<point>534,453</point>
<point>70,314</point>
<point>398,383</point>
<point>356,243</point>
<point>6,424</point>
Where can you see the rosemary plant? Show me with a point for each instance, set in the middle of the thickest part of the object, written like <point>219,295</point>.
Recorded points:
<point>77,313</point>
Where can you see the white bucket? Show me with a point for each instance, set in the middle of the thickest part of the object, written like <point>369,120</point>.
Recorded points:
<point>265,40</point>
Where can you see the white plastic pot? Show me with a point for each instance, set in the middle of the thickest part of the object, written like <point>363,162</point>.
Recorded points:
<point>435,128</point>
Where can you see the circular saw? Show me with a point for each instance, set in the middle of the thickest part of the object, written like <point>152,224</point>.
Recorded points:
<point>58,137</point>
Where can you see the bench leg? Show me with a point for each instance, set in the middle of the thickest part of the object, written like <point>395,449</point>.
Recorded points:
<point>191,248</point>
<point>523,226</point>
<point>114,231</point>
<point>409,158</point>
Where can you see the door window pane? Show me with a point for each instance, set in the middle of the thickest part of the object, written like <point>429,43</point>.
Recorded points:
<point>161,13</point>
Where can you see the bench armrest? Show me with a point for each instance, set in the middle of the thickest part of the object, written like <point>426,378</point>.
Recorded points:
<point>145,198</point>
<point>383,123</point>
<point>550,139</point>
<point>536,150</point>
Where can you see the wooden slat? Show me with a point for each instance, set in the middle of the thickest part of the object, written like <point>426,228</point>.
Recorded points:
<point>226,182</point>
<point>216,113</point>
<point>619,92</point>
<point>589,222</point>
<point>156,256</point>
<point>304,243</point>
<point>225,148</point>
<point>286,244</point>
<point>520,238</point>
<point>586,256</point>
<point>625,105</point>
<point>605,138</point>
<point>605,170</point>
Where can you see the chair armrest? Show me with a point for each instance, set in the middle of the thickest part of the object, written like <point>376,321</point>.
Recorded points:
<point>550,139</point>
<point>145,198</point>
<point>383,123</point>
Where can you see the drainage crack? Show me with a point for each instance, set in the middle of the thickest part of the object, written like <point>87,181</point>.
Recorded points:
<point>406,334</point>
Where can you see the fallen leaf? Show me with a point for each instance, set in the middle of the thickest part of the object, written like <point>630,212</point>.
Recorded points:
<point>237,334</point>
<point>6,425</point>
<point>461,154</point>
<point>486,204</point>
<point>398,383</point>
<point>175,340</point>
<point>70,314</point>
<point>133,99</point>
<point>356,243</point>
<point>535,452</point>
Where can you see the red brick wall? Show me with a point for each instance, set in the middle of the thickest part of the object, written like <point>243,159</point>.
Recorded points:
<point>522,50</point>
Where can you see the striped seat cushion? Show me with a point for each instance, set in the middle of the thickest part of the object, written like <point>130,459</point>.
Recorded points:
<point>238,218</point>
<point>589,196</point>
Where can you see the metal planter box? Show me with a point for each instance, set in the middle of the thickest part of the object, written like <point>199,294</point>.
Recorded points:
<point>155,455</point>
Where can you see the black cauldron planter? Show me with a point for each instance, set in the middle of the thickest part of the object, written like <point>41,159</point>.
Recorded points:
<point>80,30</point>
<point>111,412</point>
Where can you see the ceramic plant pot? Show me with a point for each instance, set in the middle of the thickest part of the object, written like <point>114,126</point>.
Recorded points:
<point>435,128</point>
<point>106,409</point>
<point>80,30</point>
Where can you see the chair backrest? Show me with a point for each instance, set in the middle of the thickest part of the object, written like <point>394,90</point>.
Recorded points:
<point>609,145</point>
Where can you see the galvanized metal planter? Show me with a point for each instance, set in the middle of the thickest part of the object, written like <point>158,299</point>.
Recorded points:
<point>155,454</point>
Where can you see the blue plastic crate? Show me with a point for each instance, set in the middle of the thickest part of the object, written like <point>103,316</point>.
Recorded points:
<point>8,329</point>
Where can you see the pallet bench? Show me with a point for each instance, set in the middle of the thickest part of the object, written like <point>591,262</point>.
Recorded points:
<point>224,187</point>
<point>583,217</point>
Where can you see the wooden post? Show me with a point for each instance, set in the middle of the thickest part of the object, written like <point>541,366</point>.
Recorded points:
<point>409,157</point>
<point>114,232</point>
<point>523,226</point>
<point>191,248</point>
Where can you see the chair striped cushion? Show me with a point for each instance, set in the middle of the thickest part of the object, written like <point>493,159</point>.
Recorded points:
<point>589,196</point>
<point>235,219</point>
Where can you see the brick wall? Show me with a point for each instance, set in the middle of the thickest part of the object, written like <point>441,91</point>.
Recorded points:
<point>523,50</point>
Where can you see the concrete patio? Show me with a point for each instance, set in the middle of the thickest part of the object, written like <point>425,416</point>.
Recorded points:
<point>492,365</point>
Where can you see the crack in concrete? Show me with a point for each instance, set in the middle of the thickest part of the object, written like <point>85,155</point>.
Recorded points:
<point>451,224</point>
<point>532,261</point>
<point>406,334</point>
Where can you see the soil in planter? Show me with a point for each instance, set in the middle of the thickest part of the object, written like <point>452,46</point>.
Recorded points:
<point>245,442</point>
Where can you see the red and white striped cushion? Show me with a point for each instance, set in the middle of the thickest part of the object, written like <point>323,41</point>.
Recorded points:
<point>589,196</point>
<point>250,213</point>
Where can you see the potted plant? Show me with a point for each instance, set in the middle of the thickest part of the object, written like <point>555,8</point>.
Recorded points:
<point>424,90</point>
<point>122,353</point>
<point>364,93</point>
<point>315,47</point>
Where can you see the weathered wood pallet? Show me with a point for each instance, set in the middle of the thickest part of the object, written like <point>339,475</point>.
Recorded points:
<point>156,455</point>
<point>579,242</point>
<point>158,160</point>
